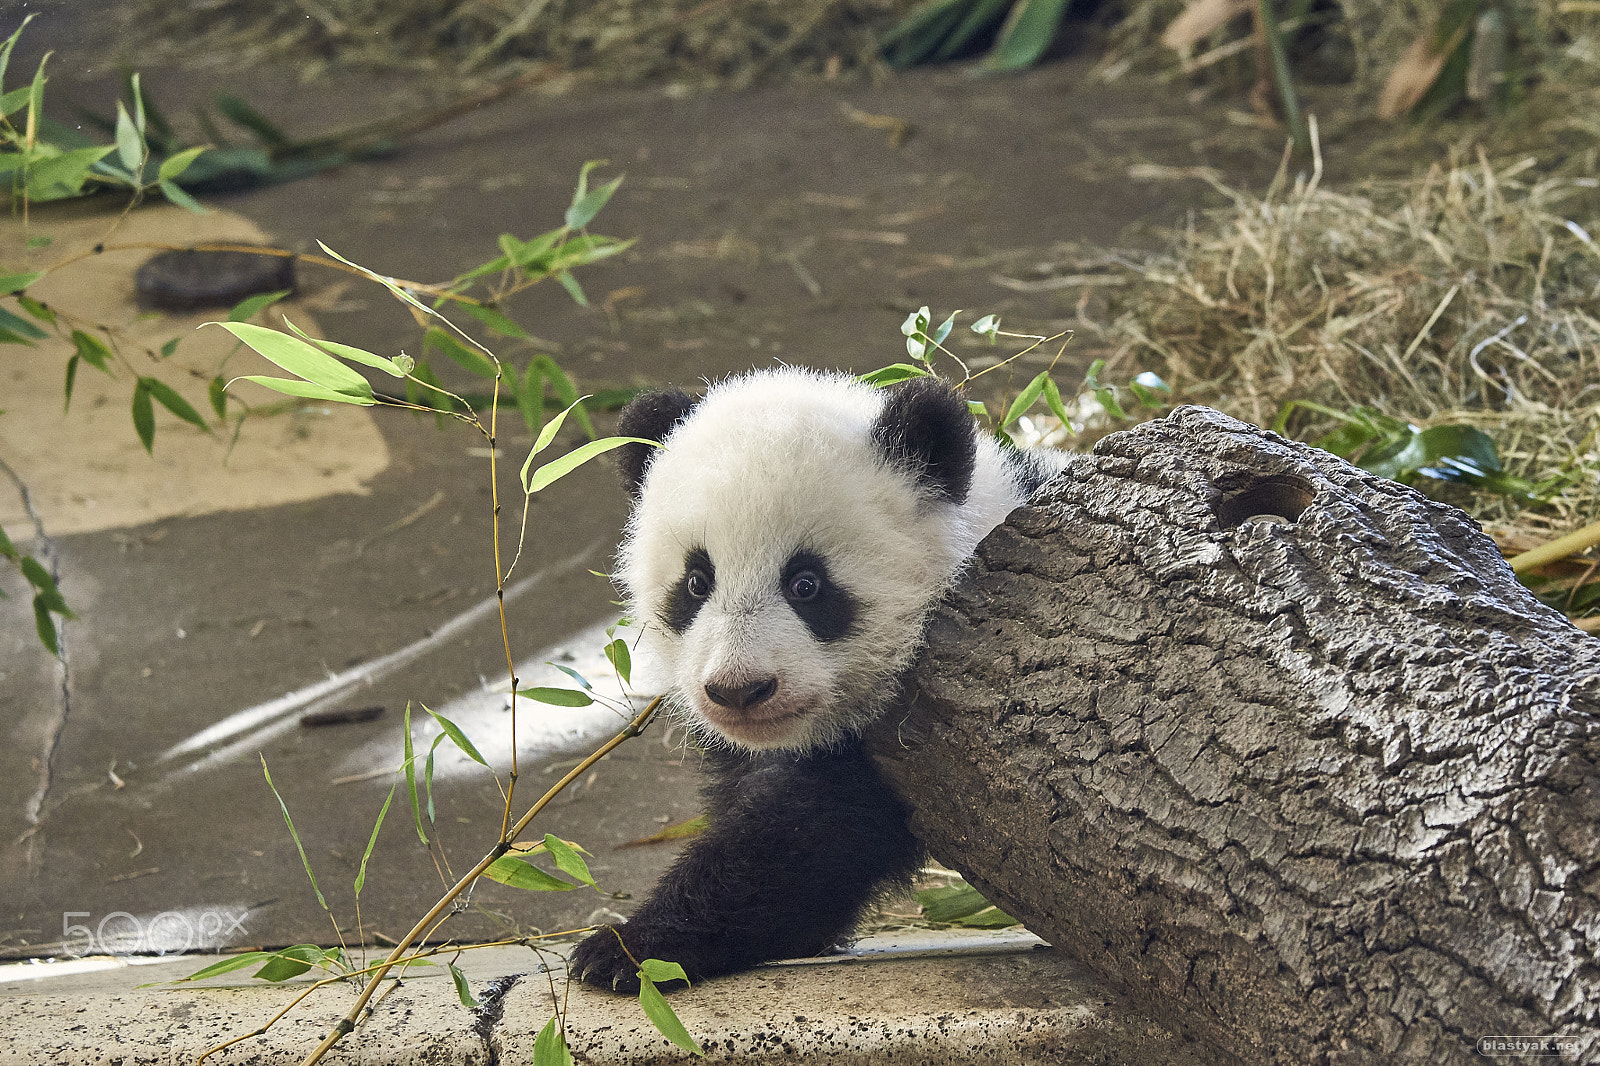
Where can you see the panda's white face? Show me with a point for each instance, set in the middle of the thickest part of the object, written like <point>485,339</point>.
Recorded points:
<point>781,563</point>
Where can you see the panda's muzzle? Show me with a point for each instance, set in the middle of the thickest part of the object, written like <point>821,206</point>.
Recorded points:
<point>742,697</point>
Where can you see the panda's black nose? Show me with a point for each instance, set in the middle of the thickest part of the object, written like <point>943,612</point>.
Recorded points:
<point>742,697</point>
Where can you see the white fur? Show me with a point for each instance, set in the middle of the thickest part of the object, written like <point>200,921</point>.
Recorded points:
<point>769,463</point>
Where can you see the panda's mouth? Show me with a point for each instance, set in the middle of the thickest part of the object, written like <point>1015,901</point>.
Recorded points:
<point>761,726</point>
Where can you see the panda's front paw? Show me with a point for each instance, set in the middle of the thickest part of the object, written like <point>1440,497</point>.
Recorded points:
<point>601,961</point>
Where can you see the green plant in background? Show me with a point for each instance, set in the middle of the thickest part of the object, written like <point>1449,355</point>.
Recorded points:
<point>924,341</point>
<point>1022,31</point>
<point>1399,451</point>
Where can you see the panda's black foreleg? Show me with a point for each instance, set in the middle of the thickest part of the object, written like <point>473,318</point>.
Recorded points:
<point>796,849</point>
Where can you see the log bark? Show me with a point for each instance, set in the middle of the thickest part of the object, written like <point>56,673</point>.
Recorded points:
<point>1279,748</point>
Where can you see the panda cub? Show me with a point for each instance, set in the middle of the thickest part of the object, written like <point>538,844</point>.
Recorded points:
<point>785,547</point>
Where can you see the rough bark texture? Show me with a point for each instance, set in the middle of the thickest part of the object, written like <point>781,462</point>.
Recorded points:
<point>1319,789</point>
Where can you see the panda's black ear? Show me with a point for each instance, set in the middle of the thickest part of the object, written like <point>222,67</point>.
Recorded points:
<point>926,429</point>
<point>648,416</point>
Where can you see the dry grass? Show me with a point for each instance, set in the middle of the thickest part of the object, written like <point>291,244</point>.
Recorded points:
<point>1468,295</point>
<point>693,41</point>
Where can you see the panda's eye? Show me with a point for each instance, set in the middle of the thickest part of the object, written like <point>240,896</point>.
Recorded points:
<point>803,586</point>
<point>697,584</point>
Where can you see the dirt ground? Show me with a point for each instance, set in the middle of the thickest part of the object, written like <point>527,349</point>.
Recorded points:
<point>788,223</point>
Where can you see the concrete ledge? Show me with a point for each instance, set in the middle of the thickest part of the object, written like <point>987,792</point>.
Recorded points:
<point>914,999</point>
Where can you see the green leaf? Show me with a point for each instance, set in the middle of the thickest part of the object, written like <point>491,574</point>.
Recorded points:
<point>919,35</point>
<point>62,177</point>
<point>560,468</point>
<point>662,1016</point>
<point>661,972</point>
<point>40,579</point>
<point>1052,399</point>
<point>519,873</point>
<point>569,671</point>
<point>36,309</point>
<point>457,737</point>
<point>1148,387</point>
<point>586,202</point>
<point>130,142</point>
<point>1027,33</point>
<point>949,903</point>
<point>17,324</point>
<point>530,397</point>
<point>244,115</point>
<point>981,17</point>
<point>72,375</point>
<point>944,328</point>
<point>391,367</point>
<point>411,775</point>
<point>45,626</point>
<point>227,965</point>
<point>284,807</point>
<point>144,416</point>
<point>217,393</point>
<point>1107,399</point>
<point>15,283</point>
<point>557,697</point>
<point>93,350</point>
<point>302,359</point>
<point>496,321</point>
<point>9,550</point>
<point>463,990</point>
<point>987,326</point>
<point>567,860</point>
<point>468,359</point>
<point>174,165</point>
<point>574,290</point>
<point>546,435</point>
<point>550,1047</point>
<point>888,375</point>
<point>617,652</point>
<point>1031,392</point>
<point>168,348</point>
<point>11,42</point>
<point>566,392</point>
<point>250,306</point>
<point>988,918</point>
<point>169,398</point>
<point>372,841</point>
<point>306,389</point>
<point>293,961</point>
<point>175,194</point>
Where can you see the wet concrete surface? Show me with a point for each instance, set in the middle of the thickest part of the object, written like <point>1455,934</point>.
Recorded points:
<point>773,224</point>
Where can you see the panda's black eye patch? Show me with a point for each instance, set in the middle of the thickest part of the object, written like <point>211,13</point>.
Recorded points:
<point>692,590</point>
<point>827,608</point>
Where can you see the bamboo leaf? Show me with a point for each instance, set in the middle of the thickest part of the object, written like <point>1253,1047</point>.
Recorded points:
<point>662,1016</point>
<point>288,821</point>
<point>302,359</point>
<point>560,468</point>
<point>167,397</point>
<point>144,416</point>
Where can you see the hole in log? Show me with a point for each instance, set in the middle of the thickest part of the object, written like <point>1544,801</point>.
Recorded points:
<point>1280,498</point>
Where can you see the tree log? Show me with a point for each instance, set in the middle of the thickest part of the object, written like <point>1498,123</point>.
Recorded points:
<point>1279,748</point>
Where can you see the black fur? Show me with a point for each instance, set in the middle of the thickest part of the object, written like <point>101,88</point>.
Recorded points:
<point>681,606</point>
<point>1031,469</point>
<point>830,614</point>
<point>926,429</point>
<point>648,416</point>
<point>798,845</point>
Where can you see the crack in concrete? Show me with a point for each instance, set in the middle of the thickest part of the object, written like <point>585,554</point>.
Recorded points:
<point>45,551</point>
<point>490,1010</point>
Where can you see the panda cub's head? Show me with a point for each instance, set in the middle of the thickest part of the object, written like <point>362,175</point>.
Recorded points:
<point>788,540</point>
